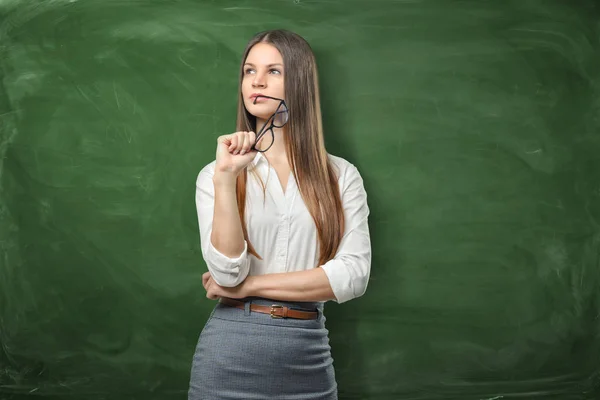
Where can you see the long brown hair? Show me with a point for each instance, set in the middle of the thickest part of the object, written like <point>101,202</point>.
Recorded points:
<point>305,146</point>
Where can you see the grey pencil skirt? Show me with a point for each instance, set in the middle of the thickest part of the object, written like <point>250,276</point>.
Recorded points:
<point>248,355</point>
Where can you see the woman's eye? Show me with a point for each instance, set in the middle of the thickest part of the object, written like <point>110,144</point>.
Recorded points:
<point>248,70</point>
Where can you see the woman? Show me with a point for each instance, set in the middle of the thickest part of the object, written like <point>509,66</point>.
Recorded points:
<point>283,229</point>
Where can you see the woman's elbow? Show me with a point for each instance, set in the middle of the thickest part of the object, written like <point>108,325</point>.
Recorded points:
<point>360,284</point>
<point>229,277</point>
<point>358,280</point>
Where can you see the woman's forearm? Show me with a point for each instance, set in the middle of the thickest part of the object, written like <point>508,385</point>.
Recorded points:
<point>308,285</point>
<point>227,235</point>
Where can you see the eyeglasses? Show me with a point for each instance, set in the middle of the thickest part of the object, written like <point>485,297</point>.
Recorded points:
<point>277,120</point>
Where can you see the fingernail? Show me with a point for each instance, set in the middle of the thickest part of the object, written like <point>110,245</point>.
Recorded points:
<point>243,152</point>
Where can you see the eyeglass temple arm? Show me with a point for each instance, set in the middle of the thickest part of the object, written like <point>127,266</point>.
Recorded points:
<point>263,133</point>
<point>269,122</point>
<point>268,97</point>
<point>273,98</point>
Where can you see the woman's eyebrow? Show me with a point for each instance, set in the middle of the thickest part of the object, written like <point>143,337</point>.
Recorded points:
<point>270,65</point>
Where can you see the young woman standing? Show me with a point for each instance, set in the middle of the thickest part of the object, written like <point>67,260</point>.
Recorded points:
<point>283,229</point>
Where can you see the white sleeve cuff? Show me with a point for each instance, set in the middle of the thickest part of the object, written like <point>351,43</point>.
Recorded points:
<point>227,271</point>
<point>341,282</point>
<point>222,259</point>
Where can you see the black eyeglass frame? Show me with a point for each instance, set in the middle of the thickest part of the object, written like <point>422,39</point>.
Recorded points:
<point>270,124</point>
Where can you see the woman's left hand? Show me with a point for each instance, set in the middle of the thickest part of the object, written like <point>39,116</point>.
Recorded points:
<point>215,291</point>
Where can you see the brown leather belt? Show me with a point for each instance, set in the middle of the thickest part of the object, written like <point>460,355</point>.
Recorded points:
<point>275,310</point>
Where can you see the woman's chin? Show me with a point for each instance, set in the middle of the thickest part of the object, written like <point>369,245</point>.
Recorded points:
<point>263,111</point>
<point>260,115</point>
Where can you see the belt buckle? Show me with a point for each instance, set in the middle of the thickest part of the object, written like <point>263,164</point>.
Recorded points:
<point>273,307</point>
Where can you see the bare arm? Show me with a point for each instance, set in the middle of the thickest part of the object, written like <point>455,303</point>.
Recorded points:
<point>223,246</point>
<point>309,285</point>
<point>227,235</point>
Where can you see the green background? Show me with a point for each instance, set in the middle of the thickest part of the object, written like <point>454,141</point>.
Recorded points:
<point>475,125</point>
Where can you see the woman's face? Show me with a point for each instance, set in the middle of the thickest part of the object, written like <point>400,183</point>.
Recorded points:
<point>262,74</point>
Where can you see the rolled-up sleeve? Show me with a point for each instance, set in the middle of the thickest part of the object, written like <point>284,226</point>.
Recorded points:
<point>226,271</point>
<point>349,270</point>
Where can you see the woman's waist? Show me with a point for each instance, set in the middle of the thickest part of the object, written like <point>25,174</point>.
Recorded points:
<point>272,312</point>
<point>304,305</point>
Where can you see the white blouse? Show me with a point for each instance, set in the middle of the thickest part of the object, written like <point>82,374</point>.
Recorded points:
<point>283,232</point>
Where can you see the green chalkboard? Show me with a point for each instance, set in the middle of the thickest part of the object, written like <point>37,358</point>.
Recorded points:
<point>475,125</point>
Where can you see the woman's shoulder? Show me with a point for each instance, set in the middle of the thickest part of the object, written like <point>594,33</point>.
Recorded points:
<point>209,168</point>
<point>206,172</point>
<point>342,165</point>
<point>344,169</point>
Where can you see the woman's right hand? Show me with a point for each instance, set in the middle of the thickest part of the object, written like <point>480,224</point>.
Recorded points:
<point>233,152</point>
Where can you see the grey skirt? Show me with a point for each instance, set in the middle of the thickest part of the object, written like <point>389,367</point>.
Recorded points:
<point>250,356</point>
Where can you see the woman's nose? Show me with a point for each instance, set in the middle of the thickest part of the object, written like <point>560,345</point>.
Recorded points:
<point>259,81</point>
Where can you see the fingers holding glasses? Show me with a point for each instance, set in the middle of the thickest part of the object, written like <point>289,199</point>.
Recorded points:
<point>237,141</point>
<point>233,142</point>
<point>252,142</point>
<point>241,142</point>
<point>246,143</point>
